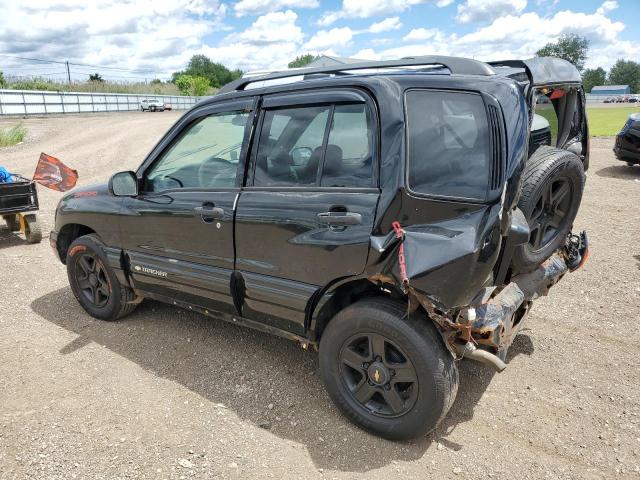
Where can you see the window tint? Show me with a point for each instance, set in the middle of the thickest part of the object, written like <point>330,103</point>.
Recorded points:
<point>349,159</point>
<point>448,143</point>
<point>205,156</point>
<point>290,147</point>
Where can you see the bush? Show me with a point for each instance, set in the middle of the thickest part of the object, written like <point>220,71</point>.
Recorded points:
<point>184,83</point>
<point>200,86</point>
<point>189,85</point>
<point>13,135</point>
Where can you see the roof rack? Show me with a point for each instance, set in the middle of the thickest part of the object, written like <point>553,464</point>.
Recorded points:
<point>456,65</point>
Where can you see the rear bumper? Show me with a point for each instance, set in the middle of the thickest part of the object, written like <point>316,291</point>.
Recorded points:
<point>495,323</point>
<point>626,155</point>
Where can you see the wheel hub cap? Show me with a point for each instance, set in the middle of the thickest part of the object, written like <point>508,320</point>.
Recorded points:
<point>378,373</point>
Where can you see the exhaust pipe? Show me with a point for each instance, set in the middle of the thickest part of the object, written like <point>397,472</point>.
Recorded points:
<point>469,350</point>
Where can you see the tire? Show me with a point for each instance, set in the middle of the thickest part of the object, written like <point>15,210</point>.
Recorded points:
<point>13,224</point>
<point>410,344</point>
<point>552,186</point>
<point>85,257</point>
<point>32,230</point>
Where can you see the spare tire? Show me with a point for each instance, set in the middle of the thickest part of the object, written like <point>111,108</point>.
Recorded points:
<point>552,185</point>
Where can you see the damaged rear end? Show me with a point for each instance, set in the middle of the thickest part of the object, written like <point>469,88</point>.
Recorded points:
<point>459,224</point>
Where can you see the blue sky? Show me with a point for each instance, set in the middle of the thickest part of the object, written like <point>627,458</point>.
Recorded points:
<point>148,38</point>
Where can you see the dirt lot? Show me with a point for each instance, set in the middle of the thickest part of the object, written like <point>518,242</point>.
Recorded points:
<point>166,393</point>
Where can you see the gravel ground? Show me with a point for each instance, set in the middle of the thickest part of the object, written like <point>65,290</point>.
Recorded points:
<point>167,393</point>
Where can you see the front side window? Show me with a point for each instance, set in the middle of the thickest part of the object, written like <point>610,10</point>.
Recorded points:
<point>448,144</point>
<point>325,145</point>
<point>206,155</point>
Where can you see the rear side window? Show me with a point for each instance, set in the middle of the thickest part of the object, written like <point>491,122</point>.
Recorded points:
<point>323,145</point>
<point>349,158</point>
<point>448,144</point>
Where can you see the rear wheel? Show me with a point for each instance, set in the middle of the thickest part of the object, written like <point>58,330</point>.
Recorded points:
<point>13,224</point>
<point>94,283</point>
<point>389,374</point>
<point>552,187</point>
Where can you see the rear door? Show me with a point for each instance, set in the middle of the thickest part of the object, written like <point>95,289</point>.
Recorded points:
<point>178,232</point>
<point>306,214</point>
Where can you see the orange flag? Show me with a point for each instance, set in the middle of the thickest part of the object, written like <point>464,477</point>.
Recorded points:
<point>54,174</point>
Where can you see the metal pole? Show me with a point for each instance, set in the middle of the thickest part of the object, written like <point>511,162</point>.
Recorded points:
<point>68,72</point>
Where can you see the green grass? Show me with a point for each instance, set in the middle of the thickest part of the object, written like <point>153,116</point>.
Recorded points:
<point>603,120</point>
<point>608,121</point>
<point>13,135</point>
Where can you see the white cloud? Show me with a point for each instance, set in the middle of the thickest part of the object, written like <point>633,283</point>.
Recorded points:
<point>607,6</point>
<point>256,7</point>
<point>421,34</point>
<point>325,39</point>
<point>520,36</point>
<point>486,10</point>
<point>151,37</point>
<point>367,54</point>
<point>372,8</point>
<point>274,27</point>
<point>391,23</point>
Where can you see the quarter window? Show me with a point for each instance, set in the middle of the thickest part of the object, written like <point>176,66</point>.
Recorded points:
<point>448,140</point>
<point>206,155</point>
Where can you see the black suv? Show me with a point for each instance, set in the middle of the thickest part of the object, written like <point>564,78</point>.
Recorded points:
<point>388,215</point>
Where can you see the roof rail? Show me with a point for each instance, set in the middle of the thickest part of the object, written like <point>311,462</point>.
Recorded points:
<point>456,65</point>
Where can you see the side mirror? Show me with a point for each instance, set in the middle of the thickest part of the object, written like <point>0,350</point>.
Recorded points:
<point>124,184</point>
<point>301,156</point>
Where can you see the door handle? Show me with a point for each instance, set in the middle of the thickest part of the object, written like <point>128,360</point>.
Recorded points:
<point>339,219</point>
<point>209,213</point>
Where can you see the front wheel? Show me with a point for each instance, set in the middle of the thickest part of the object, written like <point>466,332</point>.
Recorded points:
<point>32,229</point>
<point>94,283</point>
<point>388,373</point>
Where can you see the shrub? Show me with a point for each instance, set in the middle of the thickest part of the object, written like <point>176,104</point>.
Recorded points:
<point>13,135</point>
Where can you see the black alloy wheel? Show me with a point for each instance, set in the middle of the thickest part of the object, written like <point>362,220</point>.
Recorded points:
<point>92,279</point>
<point>378,374</point>
<point>388,372</point>
<point>550,213</point>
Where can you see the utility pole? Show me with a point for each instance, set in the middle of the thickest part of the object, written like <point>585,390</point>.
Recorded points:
<point>68,73</point>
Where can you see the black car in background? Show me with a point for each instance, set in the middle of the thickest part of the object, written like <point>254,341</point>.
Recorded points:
<point>627,147</point>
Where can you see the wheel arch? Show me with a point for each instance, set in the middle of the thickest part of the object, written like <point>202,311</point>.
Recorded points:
<point>66,236</point>
<point>336,297</point>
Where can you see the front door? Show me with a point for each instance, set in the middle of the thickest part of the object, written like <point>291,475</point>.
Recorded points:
<point>306,215</point>
<point>178,233</point>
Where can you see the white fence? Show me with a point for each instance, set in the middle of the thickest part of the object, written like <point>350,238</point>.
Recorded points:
<point>36,102</point>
